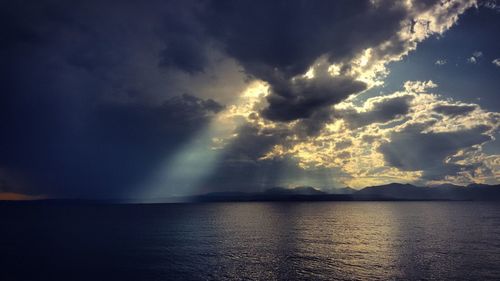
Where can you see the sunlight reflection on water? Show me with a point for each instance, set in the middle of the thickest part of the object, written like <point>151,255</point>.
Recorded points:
<point>269,241</point>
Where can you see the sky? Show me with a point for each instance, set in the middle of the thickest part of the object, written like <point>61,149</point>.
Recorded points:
<point>152,99</point>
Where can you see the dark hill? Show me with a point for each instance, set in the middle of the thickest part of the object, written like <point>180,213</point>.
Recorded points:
<point>392,192</point>
<point>397,191</point>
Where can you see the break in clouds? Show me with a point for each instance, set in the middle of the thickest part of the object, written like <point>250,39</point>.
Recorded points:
<point>96,97</point>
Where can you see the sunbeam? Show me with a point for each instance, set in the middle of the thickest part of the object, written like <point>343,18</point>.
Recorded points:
<point>185,172</point>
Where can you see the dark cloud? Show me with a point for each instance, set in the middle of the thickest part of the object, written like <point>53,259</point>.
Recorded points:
<point>186,54</point>
<point>253,142</point>
<point>76,83</point>
<point>277,40</point>
<point>313,125</point>
<point>186,46</point>
<point>455,110</point>
<point>106,152</point>
<point>270,173</point>
<point>243,169</point>
<point>381,111</point>
<point>288,36</point>
<point>413,150</point>
<point>302,97</point>
<point>246,176</point>
<point>90,101</point>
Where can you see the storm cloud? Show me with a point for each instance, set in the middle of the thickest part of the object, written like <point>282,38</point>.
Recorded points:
<point>105,152</point>
<point>278,40</point>
<point>95,96</point>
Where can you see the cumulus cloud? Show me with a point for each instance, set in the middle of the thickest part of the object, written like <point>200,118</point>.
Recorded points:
<point>245,167</point>
<point>107,101</point>
<point>496,62</point>
<point>408,136</point>
<point>309,115</point>
<point>475,57</point>
<point>340,33</point>
<point>300,34</point>
<point>377,110</point>
<point>419,86</point>
<point>441,62</point>
<point>413,150</point>
<point>289,37</point>
<point>300,98</point>
<point>472,60</point>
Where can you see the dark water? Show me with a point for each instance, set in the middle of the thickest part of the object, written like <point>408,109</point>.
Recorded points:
<point>252,241</point>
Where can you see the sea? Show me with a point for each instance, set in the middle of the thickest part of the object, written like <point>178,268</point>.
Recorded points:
<point>250,241</point>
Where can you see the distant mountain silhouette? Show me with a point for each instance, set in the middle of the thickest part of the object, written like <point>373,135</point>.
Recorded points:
<point>396,191</point>
<point>388,192</point>
<point>300,190</point>
<point>302,193</point>
<point>340,190</point>
<point>446,185</point>
<point>399,191</point>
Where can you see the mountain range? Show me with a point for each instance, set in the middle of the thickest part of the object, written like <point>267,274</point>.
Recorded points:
<point>388,192</point>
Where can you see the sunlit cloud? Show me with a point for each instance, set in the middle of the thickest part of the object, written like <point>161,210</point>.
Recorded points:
<point>355,149</point>
<point>307,100</point>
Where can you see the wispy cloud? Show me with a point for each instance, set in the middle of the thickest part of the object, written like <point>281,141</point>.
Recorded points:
<point>496,62</point>
<point>491,4</point>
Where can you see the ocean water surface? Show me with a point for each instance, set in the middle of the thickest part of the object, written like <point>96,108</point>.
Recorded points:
<point>251,241</point>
